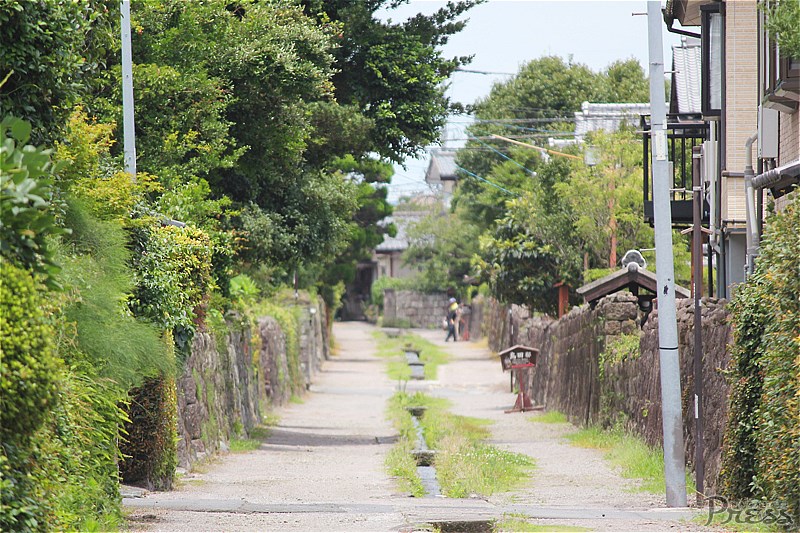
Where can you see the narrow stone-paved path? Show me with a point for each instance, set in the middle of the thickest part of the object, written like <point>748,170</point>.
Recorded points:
<point>322,466</point>
<point>571,485</point>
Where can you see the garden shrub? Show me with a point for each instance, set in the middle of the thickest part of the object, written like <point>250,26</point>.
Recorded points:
<point>84,150</point>
<point>26,218</point>
<point>28,371</point>
<point>762,456</point>
<point>173,280</point>
<point>386,282</point>
<point>150,449</point>
<point>81,452</point>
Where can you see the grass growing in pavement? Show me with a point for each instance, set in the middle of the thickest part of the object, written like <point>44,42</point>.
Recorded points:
<point>464,463</point>
<point>550,417</point>
<point>257,436</point>
<point>519,523</point>
<point>399,461</point>
<point>393,348</point>
<point>631,454</point>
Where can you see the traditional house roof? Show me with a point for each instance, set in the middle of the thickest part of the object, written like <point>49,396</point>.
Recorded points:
<point>442,167</point>
<point>632,277</point>
<point>402,220</point>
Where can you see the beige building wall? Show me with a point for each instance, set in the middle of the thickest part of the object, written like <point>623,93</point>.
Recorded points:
<point>789,138</point>
<point>789,150</point>
<point>741,98</point>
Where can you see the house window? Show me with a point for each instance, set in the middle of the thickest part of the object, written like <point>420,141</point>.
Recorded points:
<point>779,75</point>
<point>712,33</point>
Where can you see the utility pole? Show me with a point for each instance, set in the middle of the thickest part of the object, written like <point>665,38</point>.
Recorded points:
<point>697,275</point>
<point>128,133</point>
<point>674,459</point>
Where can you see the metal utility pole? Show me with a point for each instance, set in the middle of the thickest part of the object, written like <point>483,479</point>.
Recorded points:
<point>674,459</point>
<point>697,275</point>
<point>128,133</point>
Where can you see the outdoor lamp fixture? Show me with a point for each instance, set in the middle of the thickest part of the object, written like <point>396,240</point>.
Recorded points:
<point>712,42</point>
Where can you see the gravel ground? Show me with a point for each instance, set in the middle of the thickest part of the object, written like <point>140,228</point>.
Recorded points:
<point>322,466</point>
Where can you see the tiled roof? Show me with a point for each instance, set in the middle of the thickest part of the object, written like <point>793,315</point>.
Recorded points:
<point>686,78</point>
<point>402,220</point>
<point>441,167</point>
<point>607,117</point>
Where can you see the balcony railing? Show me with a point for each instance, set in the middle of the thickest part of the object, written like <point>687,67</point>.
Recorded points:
<point>684,133</point>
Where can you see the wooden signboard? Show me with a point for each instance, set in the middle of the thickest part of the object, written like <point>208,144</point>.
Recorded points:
<point>518,357</point>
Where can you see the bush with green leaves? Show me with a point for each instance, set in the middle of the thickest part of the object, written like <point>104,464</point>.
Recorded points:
<point>150,449</point>
<point>173,279</point>
<point>761,457</point>
<point>385,282</point>
<point>28,372</point>
<point>26,218</point>
<point>80,452</point>
<point>95,323</point>
<point>783,25</point>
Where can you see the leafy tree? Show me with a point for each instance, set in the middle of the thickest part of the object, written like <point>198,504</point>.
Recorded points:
<point>625,81</point>
<point>393,73</point>
<point>608,212</point>
<point>267,69</point>
<point>441,247</point>
<point>544,88</point>
<point>366,228</point>
<point>182,131</point>
<point>50,53</point>
<point>522,259</point>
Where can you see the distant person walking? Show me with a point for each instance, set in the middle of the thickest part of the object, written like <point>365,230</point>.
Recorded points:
<point>452,320</point>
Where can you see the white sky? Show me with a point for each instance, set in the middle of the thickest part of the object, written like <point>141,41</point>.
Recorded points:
<point>505,34</point>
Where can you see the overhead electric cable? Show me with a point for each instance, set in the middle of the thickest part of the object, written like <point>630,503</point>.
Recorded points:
<point>504,156</point>
<point>464,170</point>
<point>553,152</point>
<point>469,71</point>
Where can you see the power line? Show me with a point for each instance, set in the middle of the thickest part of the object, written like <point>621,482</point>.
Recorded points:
<point>470,71</point>
<point>487,181</point>
<point>501,154</point>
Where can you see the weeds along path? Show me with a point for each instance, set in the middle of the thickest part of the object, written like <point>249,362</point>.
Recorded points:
<point>570,485</point>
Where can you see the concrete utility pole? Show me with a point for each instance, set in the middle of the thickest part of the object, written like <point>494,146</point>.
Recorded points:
<point>674,459</point>
<point>128,133</point>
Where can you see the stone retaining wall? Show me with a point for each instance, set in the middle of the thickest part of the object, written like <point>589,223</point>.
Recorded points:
<point>578,375</point>
<point>225,386</point>
<point>413,309</point>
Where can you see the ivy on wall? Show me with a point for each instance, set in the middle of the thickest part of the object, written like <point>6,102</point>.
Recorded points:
<point>761,455</point>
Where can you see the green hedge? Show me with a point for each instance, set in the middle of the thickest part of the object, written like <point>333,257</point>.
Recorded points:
<point>762,455</point>
<point>173,276</point>
<point>150,449</point>
<point>29,369</point>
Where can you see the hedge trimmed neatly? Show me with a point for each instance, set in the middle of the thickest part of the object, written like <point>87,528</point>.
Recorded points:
<point>762,445</point>
<point>29,368</point>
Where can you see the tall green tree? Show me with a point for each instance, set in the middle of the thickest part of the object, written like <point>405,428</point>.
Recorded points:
<point>394,73</point>
<point>50,54</point>
<point>441,247</point>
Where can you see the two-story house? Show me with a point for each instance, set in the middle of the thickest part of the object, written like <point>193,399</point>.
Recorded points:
<point>749,101</point>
